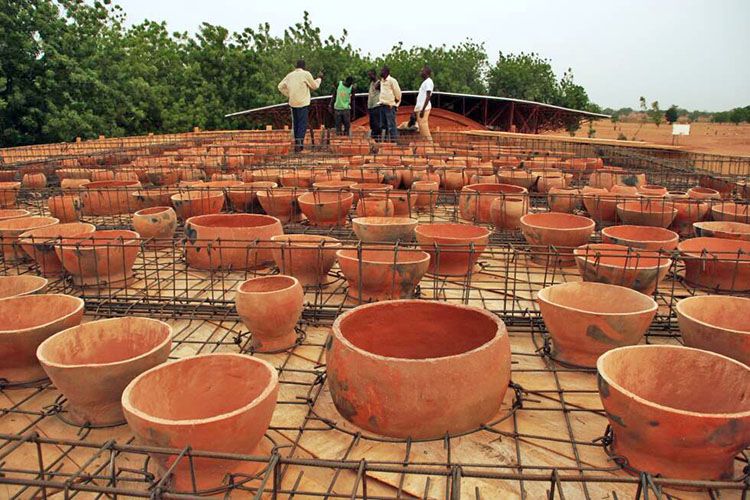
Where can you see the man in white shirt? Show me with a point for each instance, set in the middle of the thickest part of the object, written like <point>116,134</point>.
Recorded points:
<point>296,86</point>
<point>423,106</point>
<point>390,97</point>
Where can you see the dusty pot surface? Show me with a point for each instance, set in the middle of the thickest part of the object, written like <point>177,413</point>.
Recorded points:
<point>108,197</point>
<point>66,207</point>
<point>280,203</point>
<point>375,274</point>
<point>716,323</point>
<point>100,258</point>
<point>326,209</point>
<point>230,241</point>
<point>157,223</point>
<point>384,229</point>
<point>92,363</point>
<point>307,257</point>
<point>730,212</point>
<point>24,284</point>
<point>722,229</point>
<point>237,395</point>
<point>565,200</point>
<point>559,233</point>
<point>454,248</point>
<point>26,321</point>
<point>39,244</point>
<point>646,212</point>
<point>643,237</point>
<point>200,202</point>
<point>376,347</point>
<point>686,427</point>
<point>717,264</point>
<point>587,319</point>
<point>641,270</point>
<point>475,200</point>
<point>11,229</point>
<point>270,307</point>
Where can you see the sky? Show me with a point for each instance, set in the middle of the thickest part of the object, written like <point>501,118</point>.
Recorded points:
<point>693,53</point>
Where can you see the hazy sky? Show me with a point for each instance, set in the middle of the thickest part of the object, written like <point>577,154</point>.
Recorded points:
<point>688,52</point>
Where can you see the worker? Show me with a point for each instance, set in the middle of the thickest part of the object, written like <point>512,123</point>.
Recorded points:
<point>373,108</point>
<point>423,105</point>
<point>390,98</point>
<point>297,86</point>
<point>342,105</point>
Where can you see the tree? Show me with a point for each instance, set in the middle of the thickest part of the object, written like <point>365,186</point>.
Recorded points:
<point>671,114</point>
<point>523,76</point>
<point>654,113</point>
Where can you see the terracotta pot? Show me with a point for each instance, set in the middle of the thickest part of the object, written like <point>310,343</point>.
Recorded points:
<point>230,241</point>
<point>550,181</point>
<point>39,244</point>
<point>157,224</point>
<point>426,193</point>
<point>565,200</point>
<point>91,364</point>
<point>66,208</point>
<point>335,185</point>
<point>267,174</point>
<point>689,211</point>
<point>404,202</point>
<point>280,203</point>
<point>23,284</point>
<point>717,264</point>
<point>384,229</point>
<point>363,189</point>
<point>506,212</point>
<point>376,347</point>
<point>586,319</point>
<point>194,203</point>
<point>100,258</point>
<point>703,193</point>
<point>73,184</point>
<point>155,197</point>
<point>11,229</point>
<point>475,200</point>
<point>108,197</point>
<point>408,175</point>
<point>25,322</point>
<point>558,233</point>
<point>34,181</point>
<point>326,209</point>
<point>647,213</point>
<point>372,206</point>
<point>730,212</point>
<point>643,237</point>
<point>519,178</point>
<point>307,257</point>
<point>686,427</point>
<point>270,307</point>
<point>13,213</point>
<point>244,198</point>
<point>602,207</point>
<point>721,229</point>
<point>624,190</point>
<point>162,176</point>
<point>8,194</point>
<point>296,178</point>
<point>641,270</point>
<point>100,175</point>
<point>454,248</point>
<point>8,175</point>
<point>716,323</point>
<point>375,274</point>
<point>652,190</point>
<point>452,179</point>
<point>238,395</point>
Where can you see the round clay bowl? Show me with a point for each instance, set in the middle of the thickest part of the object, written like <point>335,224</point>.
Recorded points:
<point>677,412</point>
<point>426,193</point>
<point>200,202</point>
<point>237,395</point>
<point>270,307</point>
<point>280,203</point>
<point>230,241</point>
<point>157,224</point>
<point>326,209</point>
<point>13,213</point>
<point>404,202</point>
<point>335,185</point>
<point>519,178</point>
<point>39,244</point>
<point>24,284</point>
<point>647,213</point>
<point>11,229</point>
<point>307,257</point>
<point>652,190</point>
<point>382,274</point>
<point>108,197</point>
<point>565,200</point>
<point>25,322</point>
<point>475,200</point>
<point>454,248</point>
<point>384,229</point>
<point>641,270</point>
<point>100,258</point>
<point>716,323</point>
<point>362,189</point>
<point>372,206</point>
<point>722,229</point>
<point>156,197</point>
<point>8,193</point>
<point>717,264</point>
<point>730,212</point>
<point>92,363</point>
<point>506,212</point>
<point>703,193</point>
<point>559,233</point>
<point>587,319</point>
<point>244,198</point>
<point>440,349</point>
<point>643,237</point>
<point>66,208</point>
<point>602,207</point>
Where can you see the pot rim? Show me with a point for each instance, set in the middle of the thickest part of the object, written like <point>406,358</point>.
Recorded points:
<point>544,291</point>
<point>343,197</point>
<point>680,311</point>
<point>204,194</point>
<point>92,236</point>
<point>675,236</point>
<point>721,255</point>
<point>27,238</point>
<point>161,209</point>
<point>316,241</point>
<point>270,387</point>
<point>80,304</point>
<point>732,225</point>
<point>624,251</point>
<point>515,190</point>
<point>51,222</point>
<point>499,332</point>
<point>238,216</point>
<point>34,278</point>
<point>602,359</point>
<point>167,339</point>
<point>590,224</point>
<point>341,254</point>
<point>645,208</point>
<point>396,221</point>
<point>295,283</point>
<point>459,240</point>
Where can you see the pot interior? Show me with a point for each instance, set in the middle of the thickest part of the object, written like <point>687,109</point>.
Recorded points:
<point>719,311</point>
<point>459,231</point>
<point>597,298</point>
<point>19,313</point>
<point>233,220</point>
<point>402,256</point>
<point>267,284</point>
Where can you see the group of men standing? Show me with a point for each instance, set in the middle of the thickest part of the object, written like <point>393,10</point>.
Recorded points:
<point>383,99</point>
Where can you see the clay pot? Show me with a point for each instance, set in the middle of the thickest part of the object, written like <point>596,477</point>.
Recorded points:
<point>244,198</point>
<point>230,241</point>
<point>336,185</point>
<point>91,364</point>
<point>9,193</point>
<point>326,209</point>
<point>24,284</point>
<point>716,323</point>
<point>296,178</point>
<point>475,200</point>
<point>558,233</point>
<point>375,274</point>
<point>586,319</point>
<point>506,212</point>
<point>565,200</point>
<point>195,203</point>
<point>39,244</point>
<point>307,257</point>
<point>384,229</point>
<point>730,212</point>
<point>25,322</point>
<point>703,193</point>
<point>426,193</point>
<point>404,202</point>
<point>237,395</point>
<point>689,426</point>
<point>11,229</point>
<point>157,224</point>
<point>73,184</point>
<point>647,213</point>
<point>689,211</point>
<point>602,206</point>
<point>34,181</point>
<point>624,190</point>
<point>549,181</point>
<point>652,190</point>
<point>66,208</point>
<point>452,179</point>
<point>280,203</point>
<point>377,347</point>
<point>155,197</point>
<point>108,197</point>
<point>100,258</point>
<point>372,206</point>
<point>13,213</point>
<point>454,248</point>
<point>100,175</point>
<point>270,307</point>
<point>643,237</point>
<point>519,178</point>
<point>721,229</point>
<point>641,270</point>
<point>717,264</point>
<point>363,189</point>
<point>162,176</point>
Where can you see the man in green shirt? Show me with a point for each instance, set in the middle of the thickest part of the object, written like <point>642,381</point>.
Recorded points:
<point>342,106</point>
